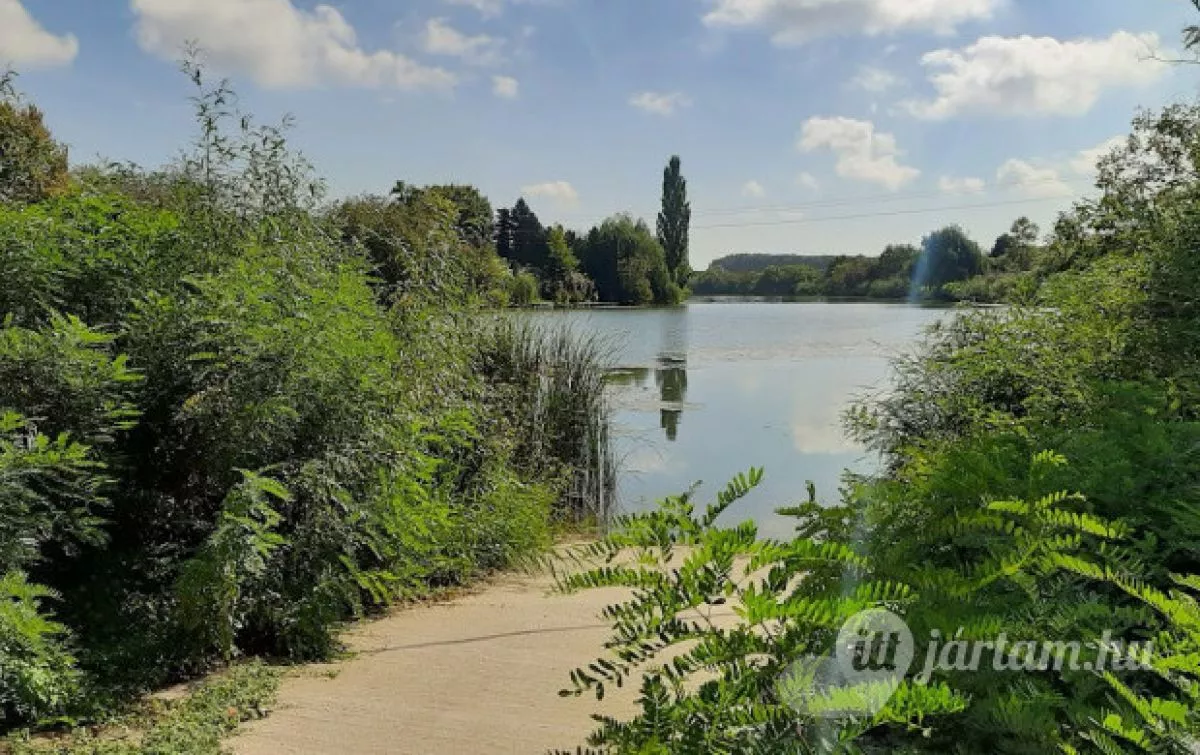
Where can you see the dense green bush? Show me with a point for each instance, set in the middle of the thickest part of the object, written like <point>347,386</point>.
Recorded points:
<point>38,677</point>
<point>231,420</point>
<point>721,627</point>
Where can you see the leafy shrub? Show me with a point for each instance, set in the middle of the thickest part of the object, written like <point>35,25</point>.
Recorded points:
<point>52,491</point>
<point>231,421</point>
<point>64,378</point>
<point>38,678</point>
<point>718,617</point>
<point>34,165</point>
<point>523,289</point>
<point>88,254</point>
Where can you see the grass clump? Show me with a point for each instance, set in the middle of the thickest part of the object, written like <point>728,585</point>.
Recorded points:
<point>193,725</point>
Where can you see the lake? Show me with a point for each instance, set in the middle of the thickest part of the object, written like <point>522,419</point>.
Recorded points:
<point>705,391</point>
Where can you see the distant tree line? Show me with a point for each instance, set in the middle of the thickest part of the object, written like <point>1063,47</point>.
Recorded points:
<point>948,265</point>
<point>515,259</point>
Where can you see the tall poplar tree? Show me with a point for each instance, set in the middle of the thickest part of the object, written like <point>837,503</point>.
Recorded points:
<point>674,222</point>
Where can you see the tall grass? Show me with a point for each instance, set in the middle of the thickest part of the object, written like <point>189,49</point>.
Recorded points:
<point>551,382</point>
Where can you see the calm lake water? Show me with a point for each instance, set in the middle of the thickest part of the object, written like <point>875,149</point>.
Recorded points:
<point>706,391</point>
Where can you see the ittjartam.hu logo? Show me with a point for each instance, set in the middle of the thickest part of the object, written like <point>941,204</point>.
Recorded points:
<point>874,653</point>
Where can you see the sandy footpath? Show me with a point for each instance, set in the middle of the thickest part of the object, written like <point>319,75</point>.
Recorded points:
<point>479,674</point>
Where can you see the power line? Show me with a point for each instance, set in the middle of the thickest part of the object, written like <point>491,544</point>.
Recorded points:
<point>803,221</point>
<point>877,198</point>
<point>845,200</point>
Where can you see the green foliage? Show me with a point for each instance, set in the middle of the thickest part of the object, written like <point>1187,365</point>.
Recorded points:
<point>967,532</point>
<point>674,222</point>
<point>64,378</point>
<point>194,725</point>
<point>431,243</point>
<point>628,264</point>
<point>521,238</point>
<point>33,166</point>
<point>947,256</point>
<point>756,263</point>
<point>38,678</point>
<point>797,280</point>
<point>52,490</point>
<point>231,421</point>
<point>213,586</point>
<point>717,617</point>
<point>86,254</point>
<point>561,374</point>
<point>523,289</point>
<point>563,283</point>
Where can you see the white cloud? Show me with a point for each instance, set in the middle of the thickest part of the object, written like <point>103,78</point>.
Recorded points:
<point>506,87</point>
<point>559,191</point>
<point>660,103</point>
<point>863,153</point>
<point>795,22</point>
<point>871,79</point>
<point>753,189</point>
<point>1043,182</point>
<point>1036,75</point>
<point>24,43</point>
<point>487,8</point>
<point>1085,162</point>
<point>952,185</point>
<point>278,44</point>
<point>493,8</point>
<point>808,181</point>
<point>443,39</point>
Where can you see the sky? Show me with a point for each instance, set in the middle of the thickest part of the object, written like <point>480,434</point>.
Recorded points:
<point>804,126</point>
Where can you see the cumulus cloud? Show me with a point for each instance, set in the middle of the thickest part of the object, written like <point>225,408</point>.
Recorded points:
<point>952,185</point>
<point>795,22</point>
<point>443,39</point>
<point>278,44</point>
<point>506,87</point>
<point>871,79</point>
<point>559,191</point>
<point>863,154</point>
<point>24,43</point>
<point>1086,161</point>
<point>486,8</point>
<point>753,189</point>
<point>808,181</point>
<point>1043,182</point>
<point>493,8</point>
<point>1036,75</point>
<point>660,103</point>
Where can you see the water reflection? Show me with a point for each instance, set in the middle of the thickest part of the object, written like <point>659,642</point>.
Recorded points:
<point>672,385</point>
<point>671,373</point>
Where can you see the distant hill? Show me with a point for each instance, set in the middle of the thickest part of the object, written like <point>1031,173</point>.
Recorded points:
<point>756,263</point>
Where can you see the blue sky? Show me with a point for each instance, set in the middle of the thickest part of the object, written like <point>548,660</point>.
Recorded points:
<point>805,126</point>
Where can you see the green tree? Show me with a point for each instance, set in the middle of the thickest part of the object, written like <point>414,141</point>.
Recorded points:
<point>788,280</point>
<point>522,239</point>
<point>897,261</point>
<point>948,255</point>
<point>848,276</point>
<point>674,222</point>
<point>476,223</point>
<point>562,280</point>
<point>33,166</point>
<point>505,234</point>
<point>627,263</point>
<point>1025,231</point>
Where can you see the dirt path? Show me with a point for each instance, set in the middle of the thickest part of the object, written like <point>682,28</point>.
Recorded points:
<point>480,674</point>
